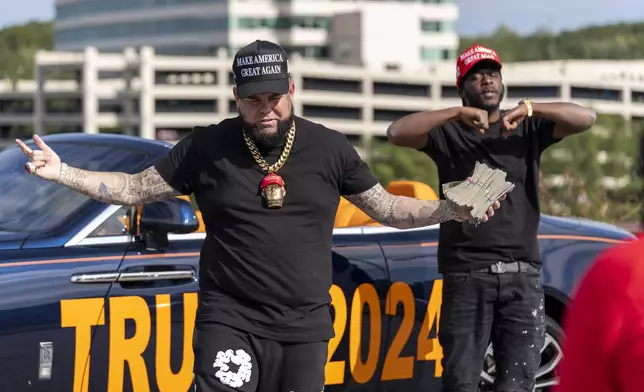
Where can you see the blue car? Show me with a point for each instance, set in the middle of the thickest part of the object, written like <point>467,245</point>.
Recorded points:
<point>98,297</point>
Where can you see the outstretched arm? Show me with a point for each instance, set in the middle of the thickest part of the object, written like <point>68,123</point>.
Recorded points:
<point>109,187</point>
<point>118,188</point>
<point>407,212</point>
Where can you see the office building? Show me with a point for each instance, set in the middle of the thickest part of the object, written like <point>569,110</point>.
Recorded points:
<point>370,33</point>
<point>161,96</point>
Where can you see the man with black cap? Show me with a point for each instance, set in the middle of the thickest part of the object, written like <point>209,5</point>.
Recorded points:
<point>492,284</point>
<point>268,184</point>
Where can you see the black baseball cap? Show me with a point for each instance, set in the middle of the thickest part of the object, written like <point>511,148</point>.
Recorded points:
<point>261,67</point>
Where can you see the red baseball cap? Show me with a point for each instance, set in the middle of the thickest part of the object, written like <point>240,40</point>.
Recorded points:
<point>472,56</point>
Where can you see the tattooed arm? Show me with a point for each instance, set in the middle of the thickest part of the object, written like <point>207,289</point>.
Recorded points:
<point>118,188</point>
<point>405,212</point>
<point>110,187</point>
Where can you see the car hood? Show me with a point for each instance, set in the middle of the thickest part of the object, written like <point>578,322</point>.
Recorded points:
<point>11,240</point>
<point>583,226</point>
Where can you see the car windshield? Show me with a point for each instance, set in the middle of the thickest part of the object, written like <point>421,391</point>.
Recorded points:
<point>29,203</point>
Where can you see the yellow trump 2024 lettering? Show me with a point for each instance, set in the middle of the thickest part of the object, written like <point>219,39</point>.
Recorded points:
<point>395,366</point>
<point>80,314</point>
<point>130,350</point>
<point>86,313</point>
<point>165,376</point>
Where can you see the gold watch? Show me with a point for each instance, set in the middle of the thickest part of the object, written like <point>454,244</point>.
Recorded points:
<point>527,104</point>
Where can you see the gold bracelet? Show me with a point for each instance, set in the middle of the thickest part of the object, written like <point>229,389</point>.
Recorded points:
<point>528,104</point>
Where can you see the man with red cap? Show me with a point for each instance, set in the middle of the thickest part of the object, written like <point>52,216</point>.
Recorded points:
<point>492,284</point>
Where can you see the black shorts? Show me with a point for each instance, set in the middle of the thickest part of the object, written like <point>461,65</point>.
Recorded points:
<point>227,359</point>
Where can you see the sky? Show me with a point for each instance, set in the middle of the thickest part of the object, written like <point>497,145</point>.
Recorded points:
<point>524,17</point>
<point>476,16</point>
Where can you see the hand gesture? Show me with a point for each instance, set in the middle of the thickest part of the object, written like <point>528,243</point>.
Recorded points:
<point>512,118</point>
<point>475,118</point>
<point>43,163</point>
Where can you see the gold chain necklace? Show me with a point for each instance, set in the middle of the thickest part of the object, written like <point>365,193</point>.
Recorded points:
<point>273,186</point>
<point>257,156</point>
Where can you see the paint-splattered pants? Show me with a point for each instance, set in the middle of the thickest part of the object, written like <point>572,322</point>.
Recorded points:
<point>506,309</point>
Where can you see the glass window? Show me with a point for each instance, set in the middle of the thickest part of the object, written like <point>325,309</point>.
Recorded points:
<point>282,22</point>
<point>448,26</point>
<point>449,54</point>
<point>142,29</point>
<point>430,25</point>
<point>33,204</point>
<point>438,26</point>
<point>430,54</point>
<point>82,8</point>
<point>117,224</point>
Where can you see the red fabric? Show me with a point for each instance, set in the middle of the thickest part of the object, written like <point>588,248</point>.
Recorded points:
<point>604,347</point>
<point>470,57</point>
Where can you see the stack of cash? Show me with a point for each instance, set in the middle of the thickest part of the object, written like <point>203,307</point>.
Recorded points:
<point>479,192</point>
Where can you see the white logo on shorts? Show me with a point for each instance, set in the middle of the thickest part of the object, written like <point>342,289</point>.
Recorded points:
<point>227,376</point>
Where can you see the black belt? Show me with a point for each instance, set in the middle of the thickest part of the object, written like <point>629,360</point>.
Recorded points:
<point>515,266</point>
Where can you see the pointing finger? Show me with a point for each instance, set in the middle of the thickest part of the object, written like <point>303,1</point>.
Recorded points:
<point>26,150</point>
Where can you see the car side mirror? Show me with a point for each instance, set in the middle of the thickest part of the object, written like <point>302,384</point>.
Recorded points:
<point>174,215</point>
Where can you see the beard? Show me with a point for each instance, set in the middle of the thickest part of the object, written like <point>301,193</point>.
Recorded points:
<point>266,137</point>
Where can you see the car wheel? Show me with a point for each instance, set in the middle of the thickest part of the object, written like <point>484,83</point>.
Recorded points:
<point>551,356</point>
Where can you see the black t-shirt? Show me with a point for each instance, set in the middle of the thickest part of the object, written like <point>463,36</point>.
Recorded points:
<point>511,234</point>
<point>267,271</point>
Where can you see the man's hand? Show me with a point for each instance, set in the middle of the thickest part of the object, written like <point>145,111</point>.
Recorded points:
<point>512,118</point>
<point>475,118</point>
<point>464,213</point>
<point>43,163</point>
<point>404,212</point>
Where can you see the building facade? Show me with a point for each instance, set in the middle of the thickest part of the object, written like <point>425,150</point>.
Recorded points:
<point>350,31</point>
<point>159,96</point>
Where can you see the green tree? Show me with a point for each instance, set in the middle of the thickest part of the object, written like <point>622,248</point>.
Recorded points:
<point>616,41</point>
<point>391,163</point>
<point>18,47</point>
<point>594,173</point>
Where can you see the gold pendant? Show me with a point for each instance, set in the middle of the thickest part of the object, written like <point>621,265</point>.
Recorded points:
<point>272,186</point>
<point>273,190</point>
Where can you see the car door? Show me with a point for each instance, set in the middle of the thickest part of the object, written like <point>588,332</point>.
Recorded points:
<point>413,306</point>
<point>55,280</point>
<point>151,314</point>
<point>358,295</point>
<point>51,304</point>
